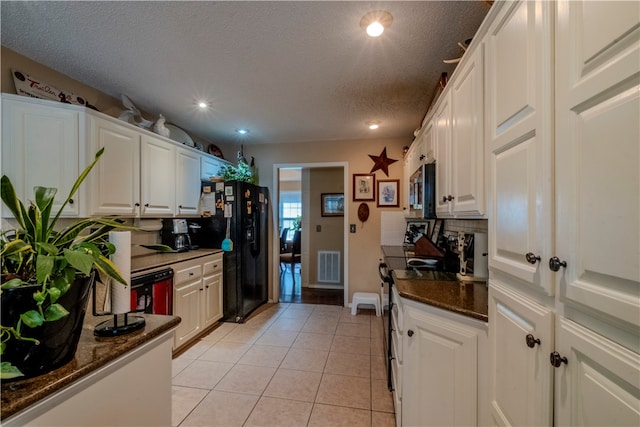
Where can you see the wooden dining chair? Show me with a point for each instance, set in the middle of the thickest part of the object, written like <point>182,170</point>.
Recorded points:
<point>293,256</point>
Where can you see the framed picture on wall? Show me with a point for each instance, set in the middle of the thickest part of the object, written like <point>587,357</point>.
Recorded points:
<point>332,204</point>
<point>364,187</point>
<point>388,193</point>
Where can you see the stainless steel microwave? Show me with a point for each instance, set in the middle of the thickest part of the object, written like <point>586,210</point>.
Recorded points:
<point>422,192</point>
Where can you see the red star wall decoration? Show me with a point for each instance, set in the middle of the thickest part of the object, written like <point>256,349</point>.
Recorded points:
<point>381,162</point>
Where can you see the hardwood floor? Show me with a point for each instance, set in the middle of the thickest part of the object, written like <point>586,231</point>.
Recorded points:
<point>296,294</point>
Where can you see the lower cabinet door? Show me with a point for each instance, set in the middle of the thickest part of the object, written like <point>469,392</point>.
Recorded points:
<point>211,299</point>
<point>599,385</point>
<point>440,385</point>
<point>521,390</point>
<point>186,304</point>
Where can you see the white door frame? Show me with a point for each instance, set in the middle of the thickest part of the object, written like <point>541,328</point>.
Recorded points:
<point>275,242</point>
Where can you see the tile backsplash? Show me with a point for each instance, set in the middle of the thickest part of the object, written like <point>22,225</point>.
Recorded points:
<point>453,226</point>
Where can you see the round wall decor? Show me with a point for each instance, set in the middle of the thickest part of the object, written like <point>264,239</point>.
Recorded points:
<point>363,212</point>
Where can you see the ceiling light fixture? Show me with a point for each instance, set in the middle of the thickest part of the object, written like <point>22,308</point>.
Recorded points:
<point>203,104</point>
<point>373,124</point>
<point>242,131</point>
<point>374,23</point>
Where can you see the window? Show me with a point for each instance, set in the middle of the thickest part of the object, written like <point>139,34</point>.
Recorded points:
<point>290,212</point>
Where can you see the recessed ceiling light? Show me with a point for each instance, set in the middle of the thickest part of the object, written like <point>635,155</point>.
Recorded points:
<point>373,124</point>
<point>242,131</point>
<point>202,104</point>
<point>374,23</point>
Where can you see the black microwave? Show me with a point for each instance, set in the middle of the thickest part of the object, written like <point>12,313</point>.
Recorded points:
<point>422,192</point>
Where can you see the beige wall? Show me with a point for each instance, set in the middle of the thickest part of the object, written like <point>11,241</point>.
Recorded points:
<point>10,59</point>
<point>331,234</point>
<point>364,245</point>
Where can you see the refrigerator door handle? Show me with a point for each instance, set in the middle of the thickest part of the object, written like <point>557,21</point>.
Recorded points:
<point>254,247</point>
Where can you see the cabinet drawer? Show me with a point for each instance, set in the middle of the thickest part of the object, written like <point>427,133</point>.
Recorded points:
<point>213,266</point>
<point>186,273</point>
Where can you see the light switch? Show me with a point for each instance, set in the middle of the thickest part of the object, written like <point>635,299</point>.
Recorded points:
<point>318,228</point>
<point>352,228</point>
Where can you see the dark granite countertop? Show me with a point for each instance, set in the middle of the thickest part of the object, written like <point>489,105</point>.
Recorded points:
<point>161,259</point>
<point>92,354</point>
<point>439,289</point>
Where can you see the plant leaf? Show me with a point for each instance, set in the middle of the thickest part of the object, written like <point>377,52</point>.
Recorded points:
<point>54,294</point>
<point>14,247</point>
<point>80,260</point>
<point>8,371</point>
<point>32,318</point>
<point>11,200</point>
<point>44,267</point>
<point>44,200</point>
<point>75,187</point>
<point>39,297</point>
<point>13,283</point>
<point>106,266</point>
<point>159,248</point>
<point>49,248</point>
<point>54,312</point>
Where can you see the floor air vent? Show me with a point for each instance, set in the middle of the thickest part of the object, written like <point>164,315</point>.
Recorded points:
<point>329,266</point>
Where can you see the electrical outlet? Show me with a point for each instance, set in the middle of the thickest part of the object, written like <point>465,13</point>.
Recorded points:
<point>352,228</point>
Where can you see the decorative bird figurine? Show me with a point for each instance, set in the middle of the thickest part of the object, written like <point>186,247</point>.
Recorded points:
<point>160,128</point>
<point>129,115</point>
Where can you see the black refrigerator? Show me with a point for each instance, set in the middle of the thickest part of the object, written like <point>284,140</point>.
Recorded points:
<point>246,207</point>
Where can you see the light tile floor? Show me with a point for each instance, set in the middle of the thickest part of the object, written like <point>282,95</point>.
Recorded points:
<point>289,365</point>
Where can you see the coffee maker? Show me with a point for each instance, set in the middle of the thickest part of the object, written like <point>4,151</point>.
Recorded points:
<point>179,238</point>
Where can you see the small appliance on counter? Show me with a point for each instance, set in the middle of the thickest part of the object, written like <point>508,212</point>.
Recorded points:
<point>473,254</point>
<point>175,233</point>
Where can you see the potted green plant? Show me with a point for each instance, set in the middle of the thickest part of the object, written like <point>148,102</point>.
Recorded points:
<point>242,172</point>
<point>45,279</point>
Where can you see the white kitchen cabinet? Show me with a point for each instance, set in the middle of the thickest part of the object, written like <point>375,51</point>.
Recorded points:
<point>521,390</point>
<point>458,138</point>
<point>187,285</point>
<point>114,184</point>
<point>599,385</point>
<point>157,177</point>
<point>597,157</point>
<point>40,147</point>
<point>197,296</point>
<point>440,367</point>
<point>187,170</point>
<point>565,190</point>
<point>467,138</point>
<point>210,166</point>
<point>442,142</point>
<point>519,115</point>
<point>212,283</point>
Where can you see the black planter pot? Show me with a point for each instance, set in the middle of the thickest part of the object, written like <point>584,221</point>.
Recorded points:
<point>58,339</point>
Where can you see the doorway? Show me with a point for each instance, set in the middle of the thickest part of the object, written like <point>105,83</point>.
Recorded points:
<point>299,186</point>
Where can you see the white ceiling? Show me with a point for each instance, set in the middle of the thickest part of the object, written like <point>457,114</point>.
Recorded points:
<point>288,71</point>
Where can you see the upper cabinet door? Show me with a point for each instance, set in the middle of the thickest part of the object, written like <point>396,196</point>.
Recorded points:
<point>442,136</point>
<point>157,177</point>
<point>114,183</point>
<point>187,182</point>
<point>40,147</point>
<point>519,139</point>
<point>598,156</point>
<point>467,137</point>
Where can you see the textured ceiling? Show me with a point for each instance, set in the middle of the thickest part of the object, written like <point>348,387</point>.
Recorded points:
<point>288,71</point>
